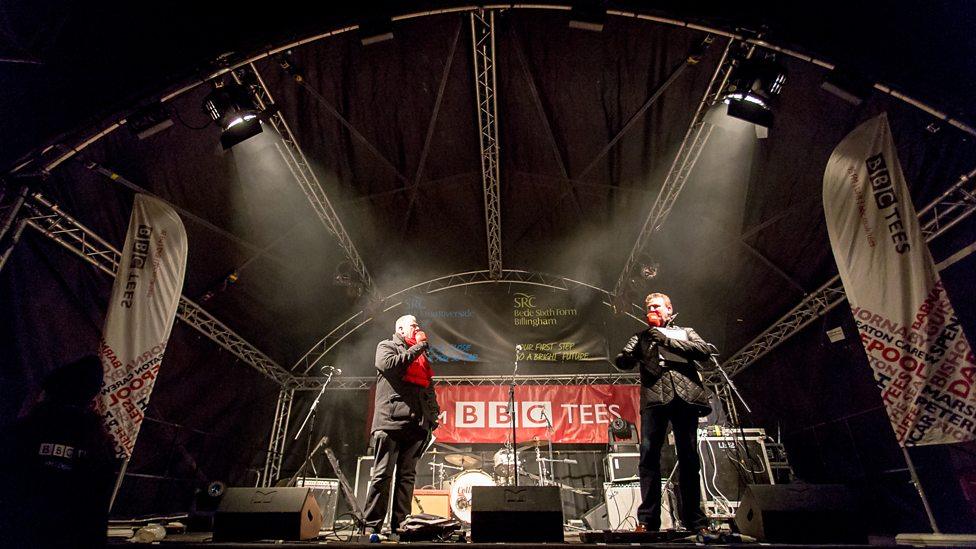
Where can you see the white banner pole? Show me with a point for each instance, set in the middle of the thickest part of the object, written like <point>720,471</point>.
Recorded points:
<point>921,491</point>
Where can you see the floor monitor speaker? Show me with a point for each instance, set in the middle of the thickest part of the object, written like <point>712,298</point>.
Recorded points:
<point>801,513</point>
<point>516,514</point>
<point>267,513</point>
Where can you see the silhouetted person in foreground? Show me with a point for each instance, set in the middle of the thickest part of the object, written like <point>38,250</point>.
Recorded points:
<point>57,466</point>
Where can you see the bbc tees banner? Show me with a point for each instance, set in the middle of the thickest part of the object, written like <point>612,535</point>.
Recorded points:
<point>920,357</point>
<point>140,316</point>
<point>561,413</point>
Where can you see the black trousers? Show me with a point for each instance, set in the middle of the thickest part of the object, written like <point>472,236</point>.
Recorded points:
<point>399,450</point>
<point>654,427</point>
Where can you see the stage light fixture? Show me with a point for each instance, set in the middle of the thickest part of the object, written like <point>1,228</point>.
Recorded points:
<point>752,87</point>
<point>587,18</point>
<point>149,121</point>
<point>231,106</point>
<point>372,31</point>
<point>846,86</point>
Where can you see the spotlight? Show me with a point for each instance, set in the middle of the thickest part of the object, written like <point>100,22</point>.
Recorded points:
<point>373,31</point>
<point>230,105</point>
<point>751,89</point>
<point>587,18</point>
<point>848,87</point>
<point>698,50</point>
<point>149,121</point>
<point>622,435</point>
<point>649,270</point>
<point>345,276</point>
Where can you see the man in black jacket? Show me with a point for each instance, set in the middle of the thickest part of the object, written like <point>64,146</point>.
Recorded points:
<point>57,466</point>
<point>671,391</point>
<point>404,414</point>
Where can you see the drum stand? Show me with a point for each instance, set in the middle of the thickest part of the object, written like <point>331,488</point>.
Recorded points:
<point>437,472</point>
<point>513,414</point>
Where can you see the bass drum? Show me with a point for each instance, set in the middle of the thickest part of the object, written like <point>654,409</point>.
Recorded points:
<point>461,492</point>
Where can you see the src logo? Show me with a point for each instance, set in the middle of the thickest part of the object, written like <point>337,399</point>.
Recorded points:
<point>524,301</point>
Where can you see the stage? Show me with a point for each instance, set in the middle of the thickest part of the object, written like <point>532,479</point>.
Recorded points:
<point>204,539</point>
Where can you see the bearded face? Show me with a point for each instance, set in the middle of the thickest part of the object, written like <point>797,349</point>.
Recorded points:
<point>658,312</point>
<point>655,319</point>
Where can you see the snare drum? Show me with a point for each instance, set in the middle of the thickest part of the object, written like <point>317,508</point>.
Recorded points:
<point>461,492</point>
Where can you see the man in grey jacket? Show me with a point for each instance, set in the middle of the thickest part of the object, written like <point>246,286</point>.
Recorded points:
<point>404,414</point>
<point>671,392</point>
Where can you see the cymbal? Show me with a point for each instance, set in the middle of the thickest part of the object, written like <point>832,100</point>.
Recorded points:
<point>467,461</point>
<point>533,443</point>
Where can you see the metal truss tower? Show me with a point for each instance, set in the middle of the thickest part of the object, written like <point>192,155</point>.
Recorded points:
<point>483,41</point>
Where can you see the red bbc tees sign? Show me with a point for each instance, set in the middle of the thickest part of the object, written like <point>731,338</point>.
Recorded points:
<point>576,413</point>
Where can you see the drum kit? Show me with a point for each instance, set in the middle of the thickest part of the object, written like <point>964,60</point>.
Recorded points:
<point>458,472</point>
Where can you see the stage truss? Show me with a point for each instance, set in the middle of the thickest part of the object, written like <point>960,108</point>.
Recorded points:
<point>318,351</point>
<point>51,221</point>
<point>483,48</point>
<point>684,162</point>
<point>44,216</point>
<point>279,430</point>
<point>951,207</point>
<point>305,176</point>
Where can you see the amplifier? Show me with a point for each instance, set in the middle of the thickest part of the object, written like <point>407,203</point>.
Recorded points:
<point>621,467</point>
<point>728,464</point>
<point>326,493</point>
<point>623,500</point>
<point>431,502</point>
<point>364,470</point>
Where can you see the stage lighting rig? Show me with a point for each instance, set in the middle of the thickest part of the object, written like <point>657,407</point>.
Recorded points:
<point>752,88</point>
<point>375,30</point>
<point>149,120</point>
<point>847,86</point>
<point>232,107</point>
<point>586,17</point>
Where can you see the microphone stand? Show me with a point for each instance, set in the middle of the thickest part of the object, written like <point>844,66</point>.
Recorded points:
<point>310,419</point>
<point>725,376</point>
<point>552,473</point>
<point>512,414</point>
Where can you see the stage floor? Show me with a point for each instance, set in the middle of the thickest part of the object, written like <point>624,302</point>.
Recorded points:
<point>346,538</point>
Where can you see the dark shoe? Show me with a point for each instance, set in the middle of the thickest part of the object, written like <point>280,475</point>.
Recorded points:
<point>705,534</point>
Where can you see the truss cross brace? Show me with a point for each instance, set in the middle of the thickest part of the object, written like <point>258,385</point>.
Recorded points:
<point>51,221</point>
<point>303,173</point>
<point>681,167</point>
<point>951,207</point>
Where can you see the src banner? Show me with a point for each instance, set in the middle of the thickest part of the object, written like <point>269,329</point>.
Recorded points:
<point>914,342</point>
<point>140,316</point>
<point>576,413</point>
<point>485,326</point>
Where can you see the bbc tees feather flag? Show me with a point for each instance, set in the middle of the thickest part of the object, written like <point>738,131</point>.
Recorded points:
<point>915,345</point>
<point>140,316</point>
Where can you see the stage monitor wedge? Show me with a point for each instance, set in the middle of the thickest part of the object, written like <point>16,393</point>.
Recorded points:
<point>516,514</point>
<point>247,514</point>
<point>801,513</point>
